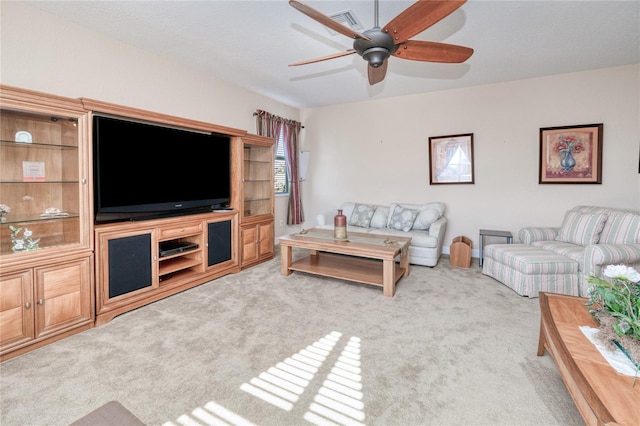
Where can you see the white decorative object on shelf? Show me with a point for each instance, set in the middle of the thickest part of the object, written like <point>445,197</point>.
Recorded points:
<point>23,137</point>
<point>24,243</point>
<point>53,212</point>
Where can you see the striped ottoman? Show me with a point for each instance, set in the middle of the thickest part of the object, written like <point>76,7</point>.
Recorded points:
<point>529,270</point>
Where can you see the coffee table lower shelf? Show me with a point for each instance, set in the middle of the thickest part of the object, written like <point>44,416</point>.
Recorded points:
<point>344,267</point>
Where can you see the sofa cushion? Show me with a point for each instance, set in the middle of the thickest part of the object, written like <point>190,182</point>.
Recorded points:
<point>428,213</point>
<point>425,218</point>
<point>418,238</point>
<point>581,228</point>
<point>621,228</point>
<point>361,215</point>
<point>537,233</point>
<point>572,251</point>
<point>347,209</point>
<point>380,217</point>
<point>402,218</point>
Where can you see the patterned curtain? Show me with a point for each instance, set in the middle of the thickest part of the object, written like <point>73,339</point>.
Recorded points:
<point>273,126</point>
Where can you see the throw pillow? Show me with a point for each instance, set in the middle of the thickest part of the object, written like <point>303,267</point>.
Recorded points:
<point>361,215</point>
<point>402,218</point>
<point>427,213</point>
<point>581,228</point>
<point>380,217</point>
<point>425,218</point>
<point>621,228</point>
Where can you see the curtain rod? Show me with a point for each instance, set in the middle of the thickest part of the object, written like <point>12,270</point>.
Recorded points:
<point>255,113</point>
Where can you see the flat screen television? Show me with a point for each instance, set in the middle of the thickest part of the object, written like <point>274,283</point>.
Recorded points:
<point>144,171</point>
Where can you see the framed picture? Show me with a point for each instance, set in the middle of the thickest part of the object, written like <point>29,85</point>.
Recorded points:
<point>451,159</point>
<point>571,154</point>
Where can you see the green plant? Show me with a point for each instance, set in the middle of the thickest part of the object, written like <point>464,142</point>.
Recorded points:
<point>618,297</point>
<point>615,304</point>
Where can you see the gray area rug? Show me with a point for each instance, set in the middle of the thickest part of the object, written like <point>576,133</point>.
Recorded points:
<point>453,347</point>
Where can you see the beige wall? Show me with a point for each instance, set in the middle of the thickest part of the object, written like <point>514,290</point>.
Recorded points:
<point>376,151</point>
<point>43,52</point>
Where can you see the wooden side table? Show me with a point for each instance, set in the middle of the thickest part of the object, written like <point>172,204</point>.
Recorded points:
<point>492,233</point>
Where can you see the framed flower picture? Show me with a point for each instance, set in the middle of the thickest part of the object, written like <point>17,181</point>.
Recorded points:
<point>451,159</point>
<point>571,154</point>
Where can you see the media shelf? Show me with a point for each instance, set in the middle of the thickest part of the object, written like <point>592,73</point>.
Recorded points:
<point>131,272</point>
<point>189,257</point>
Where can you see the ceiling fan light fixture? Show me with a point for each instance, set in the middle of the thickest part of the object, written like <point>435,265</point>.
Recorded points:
<point>376,45</point>
<point>376,56</point>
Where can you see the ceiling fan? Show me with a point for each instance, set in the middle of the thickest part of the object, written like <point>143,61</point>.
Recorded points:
<point>376,45</point>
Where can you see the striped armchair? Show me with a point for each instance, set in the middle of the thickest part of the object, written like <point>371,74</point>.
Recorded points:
<point>558,259</point>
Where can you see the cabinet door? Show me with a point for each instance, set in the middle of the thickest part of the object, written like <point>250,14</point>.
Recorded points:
<point>129,264</point>
<point>266,241</point>
<point>16,309</point>
<point>257,176</point>
<point>218,242</point>
<point>126,266</point>
<point>63,296</point>
<point>43,181</point>
<point>249,243</point>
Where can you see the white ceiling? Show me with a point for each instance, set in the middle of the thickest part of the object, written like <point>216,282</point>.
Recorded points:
<point>251,43</point>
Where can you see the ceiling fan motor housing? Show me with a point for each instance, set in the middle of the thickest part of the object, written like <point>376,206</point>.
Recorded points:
<point>376,50</point>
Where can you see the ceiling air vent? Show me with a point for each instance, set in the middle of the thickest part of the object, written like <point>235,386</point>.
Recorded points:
<point>346,18</point>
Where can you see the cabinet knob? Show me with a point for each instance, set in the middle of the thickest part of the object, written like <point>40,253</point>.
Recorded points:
<point>27,305</point>
<point>40,301</point>
<point>84,181</point>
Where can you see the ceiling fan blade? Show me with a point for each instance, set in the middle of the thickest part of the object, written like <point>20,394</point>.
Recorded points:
<point>326,21</point>
<point>418,17</point>
<point>431,51</point>
<point>376,75</point>
<point>324,58</point>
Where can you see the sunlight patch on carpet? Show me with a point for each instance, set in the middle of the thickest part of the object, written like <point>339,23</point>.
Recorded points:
<point>211,414</point>
<point>339,400</point>
<point>282,385</point>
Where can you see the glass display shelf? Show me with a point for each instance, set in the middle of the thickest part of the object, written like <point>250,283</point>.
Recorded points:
<point>10,219</point>
<point>35,145</point>
<point>35,182</point>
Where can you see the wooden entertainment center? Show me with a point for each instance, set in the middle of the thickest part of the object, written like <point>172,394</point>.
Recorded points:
<point>79,274</point>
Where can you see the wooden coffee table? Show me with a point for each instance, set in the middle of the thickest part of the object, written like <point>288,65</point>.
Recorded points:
<point>363,258</point>
<point>602,395</point>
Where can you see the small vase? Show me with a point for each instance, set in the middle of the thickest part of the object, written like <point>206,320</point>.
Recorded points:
<point>340,226</point>
<point>567,162</point>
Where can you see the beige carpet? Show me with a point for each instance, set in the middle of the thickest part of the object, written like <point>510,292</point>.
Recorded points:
<point>453,347</point>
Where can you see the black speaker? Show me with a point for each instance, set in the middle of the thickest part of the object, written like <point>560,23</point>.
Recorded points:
<point>219,242</point>
<point>129,264</point>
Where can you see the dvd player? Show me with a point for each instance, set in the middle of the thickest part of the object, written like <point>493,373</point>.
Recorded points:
<point>167,248</point>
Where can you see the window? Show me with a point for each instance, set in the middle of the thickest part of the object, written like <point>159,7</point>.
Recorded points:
<point>281,181</point>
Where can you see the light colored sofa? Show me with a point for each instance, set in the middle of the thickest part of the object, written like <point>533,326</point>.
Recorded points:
<point>424,223</point>
<point>559,259</point>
